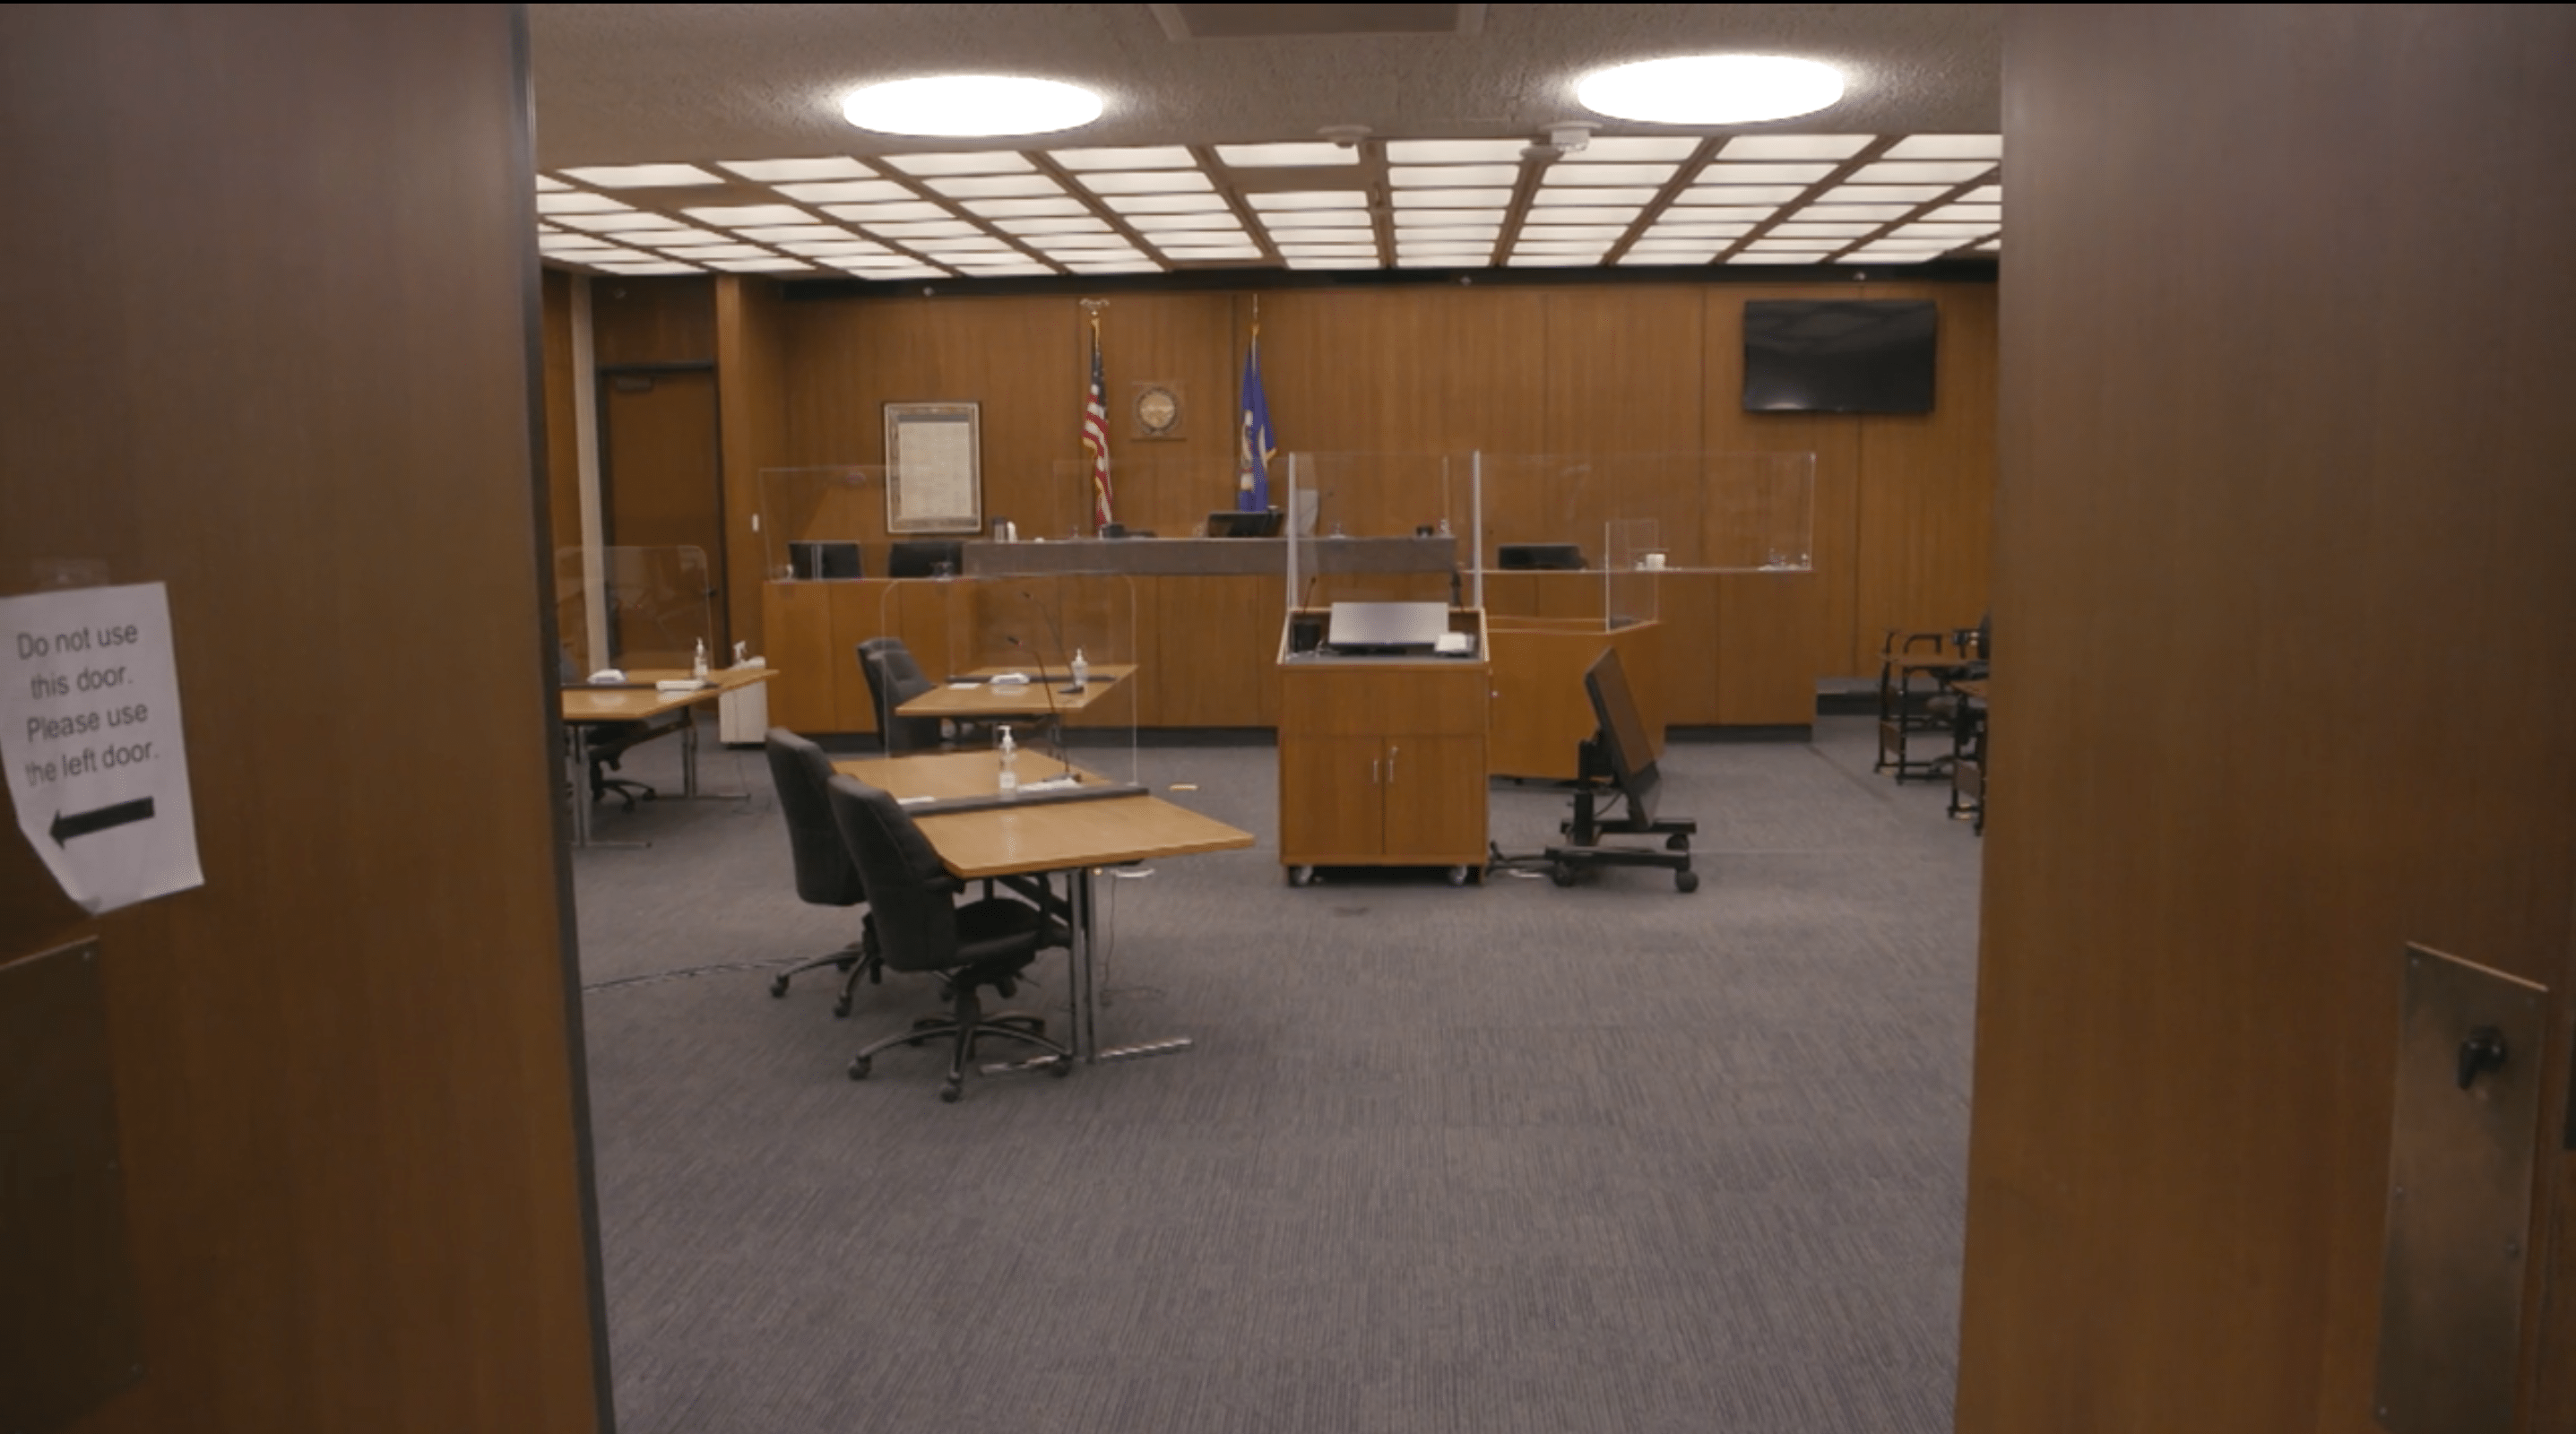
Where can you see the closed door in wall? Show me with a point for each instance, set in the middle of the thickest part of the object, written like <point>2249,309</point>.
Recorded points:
<point>661,492</point>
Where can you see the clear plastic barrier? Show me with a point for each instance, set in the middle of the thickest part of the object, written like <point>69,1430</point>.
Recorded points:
<point>1633,555</point>
<point>1377,526</point>
<point>1714,512</point>
<point>963,632</point>
<point>634,609</point>
<point>1150,497</point>
<point>823,523</point>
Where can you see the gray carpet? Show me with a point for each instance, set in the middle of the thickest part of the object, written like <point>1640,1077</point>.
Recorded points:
<point>1493,1159</point>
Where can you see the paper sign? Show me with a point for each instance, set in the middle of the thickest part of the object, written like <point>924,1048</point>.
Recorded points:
<point>89,733</point>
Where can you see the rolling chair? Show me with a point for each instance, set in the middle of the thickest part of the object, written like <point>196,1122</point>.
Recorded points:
<point>921,927</point>
<point>825,875</point>
<point>611,741</point>
<point>894,679</point>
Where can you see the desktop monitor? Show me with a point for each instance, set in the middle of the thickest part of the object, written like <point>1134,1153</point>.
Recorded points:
<point>1236,523</point>
<point>1622,737</point>
<point>1514,557</point>
<point>823,560</point>
<point>924,558</point>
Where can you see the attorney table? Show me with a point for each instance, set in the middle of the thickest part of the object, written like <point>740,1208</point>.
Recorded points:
<point>639,700</point>
<point>976,697</point>
<point>1038,834</point>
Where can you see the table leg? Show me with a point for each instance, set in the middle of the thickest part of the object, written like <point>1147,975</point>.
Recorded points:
<point>1086,1005</point>
<point>689,753</point>
<point>580,779</point>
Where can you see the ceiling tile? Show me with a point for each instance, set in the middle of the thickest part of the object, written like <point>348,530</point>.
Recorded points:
<point>1330,262</point>
<point>1948,146</point>
<point>1451,176</point>
<point>1144,181</point>
<point>1451,198</point>
<point>713,251</point>
<point>881,213</point>
<point>767,264</point>
<point>821,249</point>
<point>1163,203</point>
<point>991,161</point>
<point>994,186</point>
<point>1558,198</point>
<point>1740,194</point>
<point>1881,193</point>
<point>644,176</point>
<point>1067,224</point>
<point>1018,208</point>
<point>778,233</point>
<point>1794,230</point>
<point>1183,223</point>
<point>1295,152</point>
<point>735,215</point>
<point>1617,149</point>
<point>613,223</point>
<point>1455,151</point>
<point>1651,175</point>
<point>1795,146</point>
<point>576,202</point>
<point>1430,218</point>
<point>1726,172</point>
<point>860,191</point>
<point>1603,214</point>
<point>1572,231</point>
<point>1879,213</point>
<point>1082,241</point>
<point>782,171</point>
<point>1921,171</point>
<point>924,229</point>
<point>650,266</point>
<point>1171,156</point>
<point>1137,265</point>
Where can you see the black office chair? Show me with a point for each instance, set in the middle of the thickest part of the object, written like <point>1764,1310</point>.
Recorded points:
<point>825,875</point>
<point>920,927</point>
<point>609,741</point>
<point>894,679</point>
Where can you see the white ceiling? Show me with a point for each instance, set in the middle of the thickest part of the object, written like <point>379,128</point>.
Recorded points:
<point>704,84</point>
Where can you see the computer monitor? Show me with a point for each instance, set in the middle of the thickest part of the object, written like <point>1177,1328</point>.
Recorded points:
<point>1237,523</point>
<point>823,560</point>
<point>1385,627</point>
<point>1515,557</point>
<point>924,558</point>
<point>1622,736</point>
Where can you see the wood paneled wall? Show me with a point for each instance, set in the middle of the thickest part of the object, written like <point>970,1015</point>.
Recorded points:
<point>347,1066</point>
<point>1903,504</point>
<point>2285,558</point>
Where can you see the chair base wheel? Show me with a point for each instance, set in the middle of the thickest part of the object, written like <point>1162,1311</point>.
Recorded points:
<point>1686,881</point>
<point>949,1093</point>
<point>859,1068</point>
<point>841,1007</point>
<point>777,987</point>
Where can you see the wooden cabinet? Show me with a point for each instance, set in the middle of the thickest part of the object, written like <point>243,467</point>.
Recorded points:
<point>1382,761</point>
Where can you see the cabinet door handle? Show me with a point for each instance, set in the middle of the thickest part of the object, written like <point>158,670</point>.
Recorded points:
<point>1390,764</point>
<point>1373,771</point>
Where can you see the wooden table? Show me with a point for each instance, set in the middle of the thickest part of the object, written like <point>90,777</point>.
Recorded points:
<point>1043,695</point>
<point>639,700</point>
<point>1042,837</point>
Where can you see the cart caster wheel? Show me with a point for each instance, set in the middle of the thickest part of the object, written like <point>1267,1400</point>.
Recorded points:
<point>1457,876</point>
<point>841,1007</point>
<point>1685,881</point>
<point>1677,842</point>
<point>1561,874</point>
<point>859,1067</point>
<point>777,987</point>
<point>948,1093</point>
<point>1301,876</point>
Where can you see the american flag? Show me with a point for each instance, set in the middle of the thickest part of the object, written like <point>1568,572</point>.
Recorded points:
<point>1095,437</point>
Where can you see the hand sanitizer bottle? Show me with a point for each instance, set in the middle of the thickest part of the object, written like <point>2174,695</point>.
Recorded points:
<point>698,669</point>
<point>1010,776</point>
<point>1081,671</point>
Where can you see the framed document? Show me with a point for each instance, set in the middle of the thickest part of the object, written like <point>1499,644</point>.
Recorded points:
<point>934,468</point>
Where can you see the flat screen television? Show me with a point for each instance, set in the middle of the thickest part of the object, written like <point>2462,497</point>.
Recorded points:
<point>1236,523</point>
<point>1839,355</point>
<point>1516,557</point>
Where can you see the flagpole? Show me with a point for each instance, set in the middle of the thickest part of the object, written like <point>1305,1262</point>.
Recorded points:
<point>1095,423</point>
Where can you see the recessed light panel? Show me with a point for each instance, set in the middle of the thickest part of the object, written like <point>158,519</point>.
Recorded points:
<point>1015,208</point>
<point>945,245</point>
<point>1677,249</point>
<point>1954,233</point>
<point>1940,171</point>
<point>1318,261</point>
<point>548,183</point>
<point>1304,152</point>
<point>881,213</point>
<point>1672,229</point>
<point>1451,176</point>
<point>1163,203</point>
<point>781,233</point>
<point>1630,149</point>
<point>1083,241</point>
<point>1004,268</point>
<point>576,202</point>
<point>733,216</point>
<point>1409,219</point>
<point>1876,213</point>
<point>988,161</point>
<point>1739,194</point>
<point>714,251</point>
<point>1145,181</point>
<point>846,191</point>
<point>1314,218</point>
<point>644,176</point>
<point>955,105</point>
<point>1751,256</point>
<point>1551,198</point>
<point>994,186</point>
<point>650,266</point>
<point>1309,199</point>
<point>1988,215</point>
<point>925,229</point>
<point>784,171</point>
<point>1821,231</point>
<point>1710,89</point>
<point>1795,146</point>
<point>1455,151</point>
<point>569,243</point>
<point>1948,146</point>
<point>665,238</point>
<point>1525,259</point>
<point>618,223</point>
<point>1199,252</point>
<point>1573,231</point>
<point>772,264</point>
<point>1170,156</point>
<point>1067,224</point>
<point>1183,223</point>
<point>1618,214</point>
<point>835,248</point>
<point>1138,265</point>
<point>1598,174</point>
<point>1451,198</point>
<point>1457,234</point>
<point>1730,172</point>
<point>1881,193</point>
<point>1643,256</point>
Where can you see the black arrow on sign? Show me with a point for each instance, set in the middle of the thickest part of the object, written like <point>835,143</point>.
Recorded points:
<point>65,828</point>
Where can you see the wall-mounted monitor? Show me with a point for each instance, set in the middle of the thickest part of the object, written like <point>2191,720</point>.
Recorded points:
<point>1839,355</point>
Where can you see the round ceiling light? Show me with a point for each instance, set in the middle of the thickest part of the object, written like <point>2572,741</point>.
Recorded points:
<point>1710,89</point>
<point>952,105</point>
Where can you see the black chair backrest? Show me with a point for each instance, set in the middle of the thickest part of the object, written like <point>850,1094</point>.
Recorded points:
<point>911,896</point>
<point>894,679</point>
<point>825,875</point>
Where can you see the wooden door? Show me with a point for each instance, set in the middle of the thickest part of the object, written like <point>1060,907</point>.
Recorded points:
<point>661,487</point>
<point>1435,799</point>
<point>1331,800</point>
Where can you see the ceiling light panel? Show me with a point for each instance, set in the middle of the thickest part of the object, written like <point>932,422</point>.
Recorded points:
<point>1989,194</point>
<point>1685,229</point>
<point>1795,230</point>
<point>1739,194</point>
<point>1631,149</point>
<point>924,229</point>
<point>989,161</point>
<point>612,256</point>
<point>1082,241</point>
<point>1063,225</point>
<point>1462,234</point>
<point>1680,248</point>
<point>1016,208</point>
<point>1573,231</point>
<point>665,238</point>
<point>1877,213</point>
<point>1181,223</point>
<point>547,183</point>
<point>1309,199</point>
<point>1650,175</point>
<point>1010,266</point>
<point>1795,146</point>
<point>1310,218</point>
<point>1154,157</point>
<point>1327,262</point>
<point>994,186</point>
<point>1956,233</point>
<point>651,266</point>
<point>1145,181</point>
<point>1328,250</point>
<point>1451,198</point>
<point>1432,218</point>
<point>618,223</point>
<point>786,171</point>
<point>1989,215</point>
<point>959,105</point>
<point>1306,152</point>
<point>576,202</point>
<point>1523,259</point>
<point>847,191</point>
<point>713,251</point>
<point>1725,172</point>
<point>1163,203</point>
<point>1137,265</point>
<point>734,216</point>
<point>1647,257</point>
<point>781,233</point>
<point>644,176</point>
<point>1942,171</point>
<point>836,248</point>
<point>884,213</point>
<point>1603,214</point>
<point>1948,146</point>
<point>1554,198</point>
<point>1749,256</point>
<point>1455,151</point>
<point>1199,252</point>
<point>1881,193</point>
<point>1451,176</point>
